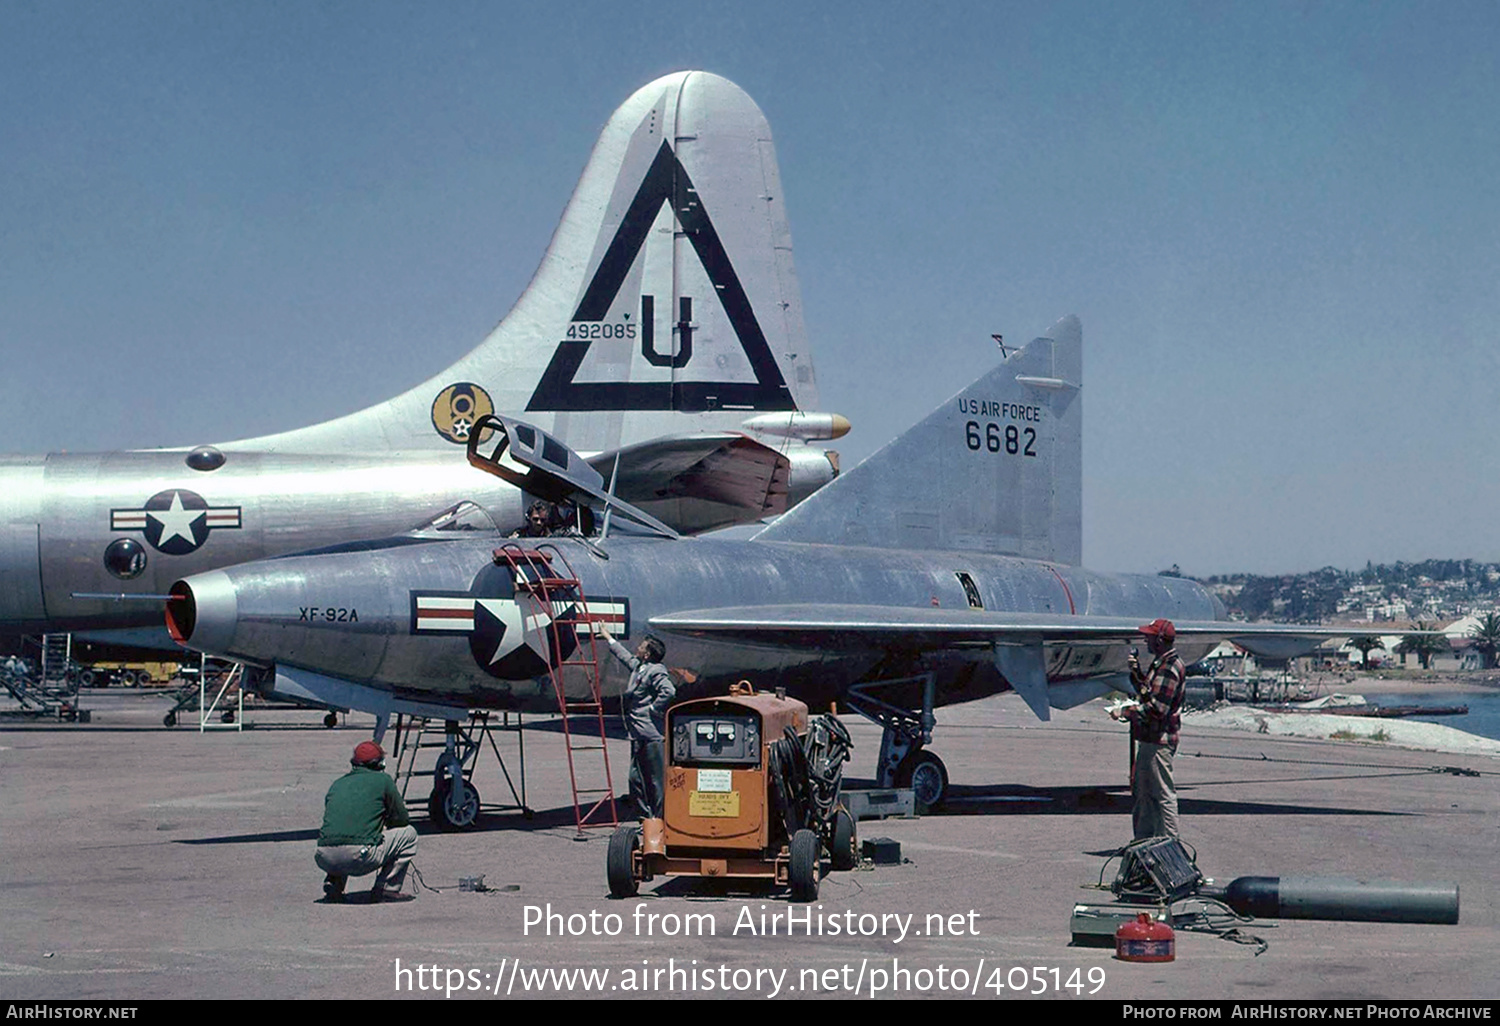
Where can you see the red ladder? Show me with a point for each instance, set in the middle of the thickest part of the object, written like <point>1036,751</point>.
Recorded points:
<point>560,594</point>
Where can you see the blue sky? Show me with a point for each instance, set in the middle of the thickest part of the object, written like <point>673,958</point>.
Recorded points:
<point>1280,224</point>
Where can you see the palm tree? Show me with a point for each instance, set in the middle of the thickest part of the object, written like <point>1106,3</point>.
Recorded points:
<point>1365,643</point>
<point>1486,635</point>
<point>1423,646</point>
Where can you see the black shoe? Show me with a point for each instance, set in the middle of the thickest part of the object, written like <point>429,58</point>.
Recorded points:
<point>333,888</point>
<point>379,895</point>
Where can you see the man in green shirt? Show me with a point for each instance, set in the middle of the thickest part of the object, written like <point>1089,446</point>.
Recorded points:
<point>365,829</point>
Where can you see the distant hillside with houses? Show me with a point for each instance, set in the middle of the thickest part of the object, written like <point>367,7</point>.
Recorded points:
<point>1400,594</point>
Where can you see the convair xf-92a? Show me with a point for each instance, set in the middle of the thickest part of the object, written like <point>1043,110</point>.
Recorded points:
<point>662,334</point>
<point>942,569</point>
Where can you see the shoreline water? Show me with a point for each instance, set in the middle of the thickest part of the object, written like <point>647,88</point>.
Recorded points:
<point>1418,734</point>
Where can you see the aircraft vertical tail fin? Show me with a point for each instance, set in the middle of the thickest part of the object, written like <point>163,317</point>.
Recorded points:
<point>997,468</point>
<point>667,301</point>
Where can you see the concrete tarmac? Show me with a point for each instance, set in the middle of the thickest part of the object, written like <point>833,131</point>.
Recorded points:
<point>139,862</point>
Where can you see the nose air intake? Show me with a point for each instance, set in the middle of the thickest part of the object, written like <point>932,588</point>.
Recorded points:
<point>203,613</point>
<point>182,613</point>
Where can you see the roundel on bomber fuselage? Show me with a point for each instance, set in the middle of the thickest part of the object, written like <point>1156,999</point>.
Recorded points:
<point>175,521</point>
<point>456,409</point>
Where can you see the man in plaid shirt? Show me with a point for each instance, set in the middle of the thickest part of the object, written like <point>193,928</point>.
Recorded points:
<point>1154,725</point>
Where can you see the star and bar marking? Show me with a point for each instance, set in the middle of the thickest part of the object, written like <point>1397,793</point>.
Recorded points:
<point>510,637</point>
<point>176,521</point>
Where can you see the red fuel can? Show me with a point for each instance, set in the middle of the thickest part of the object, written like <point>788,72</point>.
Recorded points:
<point>1145,940</point>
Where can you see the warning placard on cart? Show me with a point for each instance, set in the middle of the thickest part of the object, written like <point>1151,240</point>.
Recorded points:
<point>714,803</point>
<point>715,780</point>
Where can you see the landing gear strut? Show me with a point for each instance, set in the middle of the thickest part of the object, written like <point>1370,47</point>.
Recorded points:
<point>904,760</point>
<point>454,803</point>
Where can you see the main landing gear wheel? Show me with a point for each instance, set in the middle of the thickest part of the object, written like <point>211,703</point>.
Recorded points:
<point>619,862</point>
<point>803,875</point>
<point>331,720</point>
<point>451,816</point>
<point>926,775</point>
<point>169,720</point>
<point>844,853</point>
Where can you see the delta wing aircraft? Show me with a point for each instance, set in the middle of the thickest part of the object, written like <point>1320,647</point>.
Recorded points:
<point>942,569</point>
<point>662,333</point>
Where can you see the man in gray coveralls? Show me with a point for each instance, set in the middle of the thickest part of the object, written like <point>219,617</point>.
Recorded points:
<point>643,706</point>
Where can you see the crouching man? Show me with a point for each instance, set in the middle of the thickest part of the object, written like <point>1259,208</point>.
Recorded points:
<point>365,829</point>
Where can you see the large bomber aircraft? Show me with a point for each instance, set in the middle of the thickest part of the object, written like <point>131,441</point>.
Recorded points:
<point>942,569</point>
<point>662,335</point>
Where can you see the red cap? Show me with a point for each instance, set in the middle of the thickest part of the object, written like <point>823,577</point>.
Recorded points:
<point>1165,628</point>
<point>367,753</point>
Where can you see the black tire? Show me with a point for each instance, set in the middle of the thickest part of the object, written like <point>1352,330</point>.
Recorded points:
<point>169,720</point>
<point>88,679</point>
<point>844,853</point>
<point>451,820</point>
<point>619,861</point>
<point>803,875</point>
<point>926,775</point>
<point>331,720</point>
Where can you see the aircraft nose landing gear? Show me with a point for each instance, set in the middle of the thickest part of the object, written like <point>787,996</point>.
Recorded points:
<point>454,808</point>
<point>454,802</point>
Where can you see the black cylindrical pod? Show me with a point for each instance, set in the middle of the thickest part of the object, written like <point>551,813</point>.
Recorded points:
<point>1340,898</point>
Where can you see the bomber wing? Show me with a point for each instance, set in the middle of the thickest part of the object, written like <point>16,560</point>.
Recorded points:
<point>700,482</point>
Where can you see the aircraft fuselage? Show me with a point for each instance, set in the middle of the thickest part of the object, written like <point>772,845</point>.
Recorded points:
<point>444,622</point>
<point>134,522</point>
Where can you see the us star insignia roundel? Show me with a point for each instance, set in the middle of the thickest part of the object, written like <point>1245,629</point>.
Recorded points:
<point>512,635</point>
<point>176,521</point>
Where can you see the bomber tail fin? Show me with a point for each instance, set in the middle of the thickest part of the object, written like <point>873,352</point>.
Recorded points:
<point>666,303</point>
<point>997,468</point>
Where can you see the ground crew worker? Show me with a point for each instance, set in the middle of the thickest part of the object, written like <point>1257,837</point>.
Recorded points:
<point>365,829</point>
<point>643,706</point>
<point>1154,725</point>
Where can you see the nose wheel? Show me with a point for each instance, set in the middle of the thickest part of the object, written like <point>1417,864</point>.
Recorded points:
<point>453,811</point>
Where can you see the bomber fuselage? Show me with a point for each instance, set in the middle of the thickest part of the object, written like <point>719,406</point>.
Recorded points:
<point>123,523</point>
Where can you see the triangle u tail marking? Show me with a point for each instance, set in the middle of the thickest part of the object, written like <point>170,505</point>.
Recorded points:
<point>665,182</point>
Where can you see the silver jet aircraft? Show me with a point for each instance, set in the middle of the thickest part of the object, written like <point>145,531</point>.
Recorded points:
<point>662,333</point>
<point>942,569</point>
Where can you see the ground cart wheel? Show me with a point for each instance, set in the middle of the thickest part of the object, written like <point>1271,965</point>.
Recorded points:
<point>804,870</point>
<point>926,775</point>
<point>448,816</point>
<point>619,862</point>
<point>844,852</point>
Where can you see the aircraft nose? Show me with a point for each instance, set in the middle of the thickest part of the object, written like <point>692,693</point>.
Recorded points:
<point>203,612</point>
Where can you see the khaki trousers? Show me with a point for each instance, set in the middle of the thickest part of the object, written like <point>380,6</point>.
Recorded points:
<point>391,857</point>
<point>1155,813</point>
